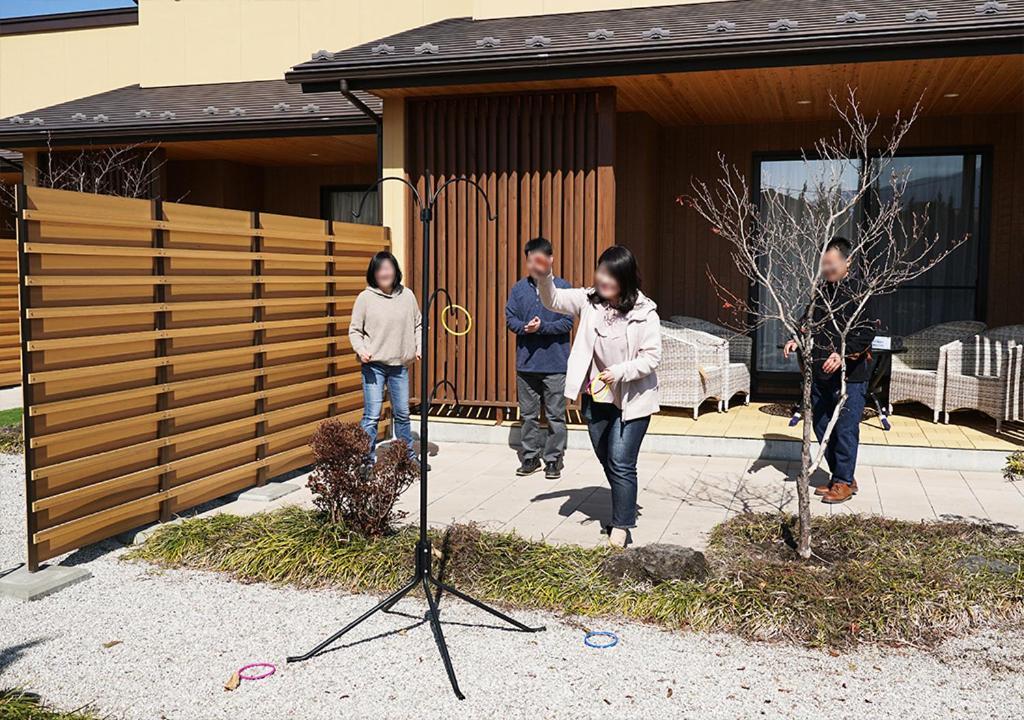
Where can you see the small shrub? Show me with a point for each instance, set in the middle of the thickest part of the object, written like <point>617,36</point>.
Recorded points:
<point>18,705</point>
<point>11,440</point>
<point>1014,469</point>
<point>351,491</point>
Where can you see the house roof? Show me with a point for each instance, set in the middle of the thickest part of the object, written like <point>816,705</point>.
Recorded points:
<point>742,33</point>
<point>183,112</point>
<point>10,160</point>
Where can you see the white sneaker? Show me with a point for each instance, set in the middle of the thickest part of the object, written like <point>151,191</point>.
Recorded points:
<point>618,537</point>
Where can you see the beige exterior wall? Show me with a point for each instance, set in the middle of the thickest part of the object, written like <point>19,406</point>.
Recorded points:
<point>43,69</point>
<point>504,8</point>
<point>204,41</point>
<point>394,195</point>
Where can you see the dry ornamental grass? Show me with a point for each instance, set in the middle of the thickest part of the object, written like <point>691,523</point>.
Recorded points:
<point>18,705</point>
<point>872,579</point>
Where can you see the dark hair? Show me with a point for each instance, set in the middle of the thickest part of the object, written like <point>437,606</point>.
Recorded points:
<point>621,265</point>
<point>376,261</point>
<point>842,245</point>
<point>539,244</point>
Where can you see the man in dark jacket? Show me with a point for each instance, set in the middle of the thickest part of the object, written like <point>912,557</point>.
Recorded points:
<point>542,353</point>
<point>837,290</point>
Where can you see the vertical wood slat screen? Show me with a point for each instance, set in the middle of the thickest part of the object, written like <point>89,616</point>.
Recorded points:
<point>175,353</point>
<point>10,343</point>
<point>546,161</point>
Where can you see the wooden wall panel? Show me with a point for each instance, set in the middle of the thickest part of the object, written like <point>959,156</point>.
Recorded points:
<point>687,249</point>
<point>285,189</point>
<point>637,211</point>
<point>175,353</point>
<point>546,161</point>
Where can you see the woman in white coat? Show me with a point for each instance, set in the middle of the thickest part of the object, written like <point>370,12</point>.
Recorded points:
<point>612,363</point>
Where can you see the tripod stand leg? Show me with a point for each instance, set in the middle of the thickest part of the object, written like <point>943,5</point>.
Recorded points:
<point>383,605</point>
<point>476,603</point>
<point>442,646</point>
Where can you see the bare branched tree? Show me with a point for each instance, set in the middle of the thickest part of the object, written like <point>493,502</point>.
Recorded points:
<point>854,189</point>
<point>126,171</point>
<point>8,200</point>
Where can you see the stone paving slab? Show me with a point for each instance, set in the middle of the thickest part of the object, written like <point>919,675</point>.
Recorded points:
<point>681,497</point>
<point>25,586</point>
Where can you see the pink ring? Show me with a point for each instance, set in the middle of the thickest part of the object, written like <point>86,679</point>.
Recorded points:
<point>268,673</point>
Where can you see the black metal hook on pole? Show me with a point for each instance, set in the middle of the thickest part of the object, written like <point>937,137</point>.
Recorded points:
<point>423,575</point>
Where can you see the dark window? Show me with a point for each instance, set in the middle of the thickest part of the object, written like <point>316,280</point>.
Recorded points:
<point>948,186</point>
<point>339,202</point>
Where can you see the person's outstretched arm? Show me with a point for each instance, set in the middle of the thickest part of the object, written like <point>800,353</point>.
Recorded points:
<point>567,301</point>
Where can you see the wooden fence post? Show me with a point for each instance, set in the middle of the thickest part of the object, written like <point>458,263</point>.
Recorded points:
<point>332,327</point>
<point>259,336</point>
<point>28,422</point>
<point>163,372</point>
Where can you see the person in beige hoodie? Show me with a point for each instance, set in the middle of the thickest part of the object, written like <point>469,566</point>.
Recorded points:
<point>385,335</point>
<point>612,363</point>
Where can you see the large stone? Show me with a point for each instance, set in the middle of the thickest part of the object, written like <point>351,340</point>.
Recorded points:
<point>269,492</point>
<point>23,585</point>
<point>655,564</point>
<point>980,563</point>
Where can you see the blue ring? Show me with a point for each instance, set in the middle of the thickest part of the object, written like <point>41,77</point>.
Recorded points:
<point>601,633</point>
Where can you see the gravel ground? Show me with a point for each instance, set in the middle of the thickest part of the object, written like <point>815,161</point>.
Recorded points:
<point>182,633</point>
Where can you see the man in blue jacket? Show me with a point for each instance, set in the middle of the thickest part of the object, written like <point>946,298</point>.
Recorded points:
<point>542,353</point>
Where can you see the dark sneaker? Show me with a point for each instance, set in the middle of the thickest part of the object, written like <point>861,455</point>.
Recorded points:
<point>551,471</point>
<point>529,467</point>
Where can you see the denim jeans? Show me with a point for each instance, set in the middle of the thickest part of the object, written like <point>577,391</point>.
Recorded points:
<point>534,390</point>
<point>396,379</point>
<point>841,452</point>
<point>617,445</point>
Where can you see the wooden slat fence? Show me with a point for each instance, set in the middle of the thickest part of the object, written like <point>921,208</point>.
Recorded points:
<point>547,162</point>
<point>10,345</point>
<point>174,353</point>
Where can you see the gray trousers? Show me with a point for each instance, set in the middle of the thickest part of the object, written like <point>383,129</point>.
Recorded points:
<point>533,390</point>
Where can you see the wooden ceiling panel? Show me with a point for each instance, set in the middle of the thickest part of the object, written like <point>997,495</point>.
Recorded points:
<point>981,85</point>
<point>310,150</point>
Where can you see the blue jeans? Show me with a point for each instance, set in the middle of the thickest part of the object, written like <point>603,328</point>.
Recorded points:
<point>841,453</point>
<point>396,378</point>
<point>617,445</point>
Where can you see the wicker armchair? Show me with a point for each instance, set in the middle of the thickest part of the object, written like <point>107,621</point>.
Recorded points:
<point>1005,333</point>
<point>983,375</point>
<point>695,367</point>
<point>918,375</point>
<point>741,347</point>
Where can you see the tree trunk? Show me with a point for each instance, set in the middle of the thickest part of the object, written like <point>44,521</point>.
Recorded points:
<point>803,494</point>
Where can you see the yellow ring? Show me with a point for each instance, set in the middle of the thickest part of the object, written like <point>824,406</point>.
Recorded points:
<point>590,386</point>
<point>444,321</point>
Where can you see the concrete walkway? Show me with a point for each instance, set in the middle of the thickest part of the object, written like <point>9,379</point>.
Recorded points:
<point>681,497</point>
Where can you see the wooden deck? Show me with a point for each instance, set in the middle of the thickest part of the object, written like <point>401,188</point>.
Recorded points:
<point>911,426</point>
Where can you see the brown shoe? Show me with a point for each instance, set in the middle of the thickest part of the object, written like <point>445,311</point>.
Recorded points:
<point>840,493</point>
<point>824,489</point>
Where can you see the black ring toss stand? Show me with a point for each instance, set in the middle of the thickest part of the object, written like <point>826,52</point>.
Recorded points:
<point>423,574</point>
